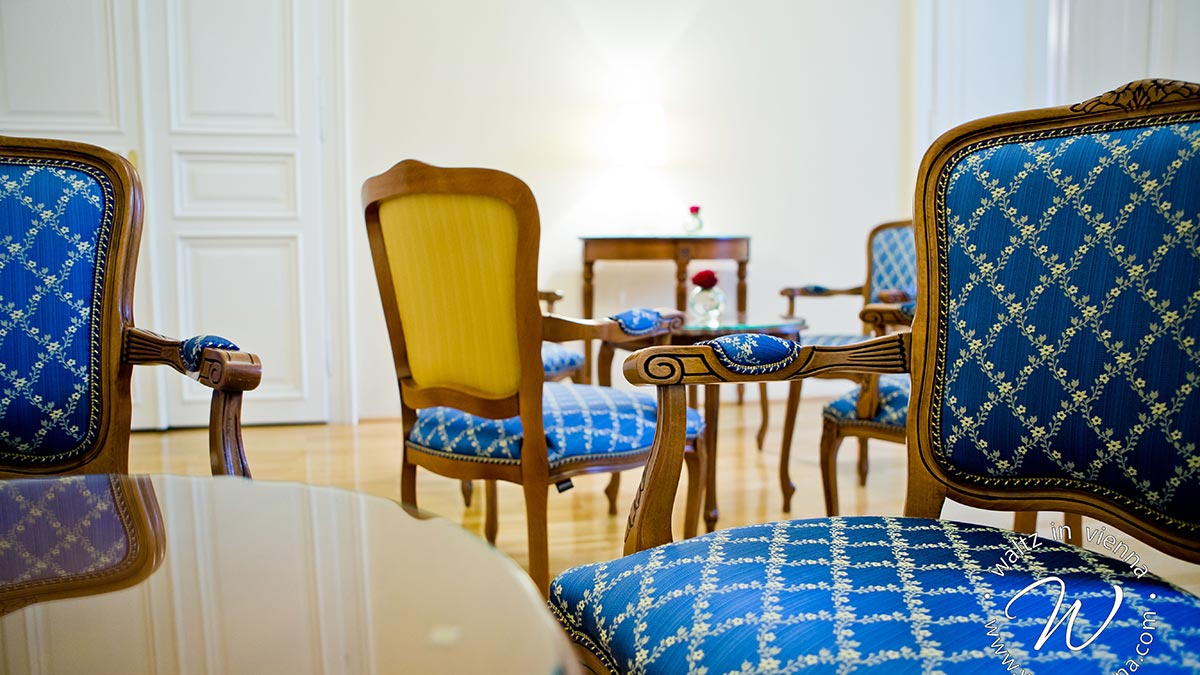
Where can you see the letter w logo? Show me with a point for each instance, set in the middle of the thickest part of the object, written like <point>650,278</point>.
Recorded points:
<point>1069,617</point>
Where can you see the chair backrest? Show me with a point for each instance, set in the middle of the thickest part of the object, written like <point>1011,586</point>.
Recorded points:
<point>455,253</point>
<point>891,259</point>
<point>1056,355</point>
<point>70,222</point>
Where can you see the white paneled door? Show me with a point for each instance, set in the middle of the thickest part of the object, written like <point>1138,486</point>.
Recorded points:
<point>220,102</point>
<point>234,129</point>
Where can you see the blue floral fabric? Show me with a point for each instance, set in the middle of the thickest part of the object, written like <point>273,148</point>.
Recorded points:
<point>893,261</point>
<point>872,595</point>
<point>753,353</point>
<point>56,218</point>
<point>581,422</point>
<point>637,321</point>
<point>58,529</point>
<point>893,404</point>
<point>191,349</point>
<point>557,359</point>
<point>1072,312</point>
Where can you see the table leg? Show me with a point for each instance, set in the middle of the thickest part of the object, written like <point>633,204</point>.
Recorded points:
<point>741,314</point>
<point>586,376</point>
<point>764,405</point>
<point>712,407</point>
<point>785,452</point>
<point>681,264</point>
<point>741,291</point>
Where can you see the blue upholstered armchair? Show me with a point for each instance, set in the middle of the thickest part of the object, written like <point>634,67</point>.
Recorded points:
<point>891,280</point>
<point>1054,365</point>
<point>70,224</point>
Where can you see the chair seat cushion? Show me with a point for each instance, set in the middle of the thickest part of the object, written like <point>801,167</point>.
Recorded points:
<point>557,359</point>
<point>872,595</point>
<point>893,404</point>
<point>582,422</point>
<point>830,339</point>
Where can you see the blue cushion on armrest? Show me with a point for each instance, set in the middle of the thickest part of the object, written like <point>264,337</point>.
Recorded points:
<point>753,353</point>
<point>637,321</point>
<point>191,348</point>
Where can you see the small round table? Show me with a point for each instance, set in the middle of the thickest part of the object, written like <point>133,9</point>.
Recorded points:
<point>699,332</point>
<point>167,574</point>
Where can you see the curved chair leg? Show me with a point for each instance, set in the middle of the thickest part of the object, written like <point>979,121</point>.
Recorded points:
<point>862,462</point>
<point>614,487</point>
<point>467,488</point>
<point>766,414</point>
<point>831,439</point>
<point>696,462</point>
<point>491,519</point>
<point>536,495</point>
<point>227,453</point>
<point>408,480</point>
<point>785,452</point>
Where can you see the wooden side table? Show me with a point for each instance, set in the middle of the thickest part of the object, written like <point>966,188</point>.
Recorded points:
<point>682,249</point>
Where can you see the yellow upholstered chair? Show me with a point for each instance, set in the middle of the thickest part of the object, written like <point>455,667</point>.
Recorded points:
<point>70,225</point>
<point>1055,366</point>
<point>455,253</point>
<point>558,361</point>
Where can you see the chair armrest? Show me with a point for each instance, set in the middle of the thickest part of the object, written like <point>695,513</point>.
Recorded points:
<point>883,317</point>
<point>812,291</point>
<point>752,357</point>
<point>216,363</point>
<point>550,297</point>
<point>211,360</point>
<point>631,326</point>
<point>731,358</point>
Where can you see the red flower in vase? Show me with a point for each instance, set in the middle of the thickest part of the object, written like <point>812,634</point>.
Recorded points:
<point>694,210</point>
<point>705,279</point>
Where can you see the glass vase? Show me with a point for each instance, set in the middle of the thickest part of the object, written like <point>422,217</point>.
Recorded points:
<point>707,305</point>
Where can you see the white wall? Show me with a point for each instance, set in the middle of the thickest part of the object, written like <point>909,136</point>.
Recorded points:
<point>800,123</point>
<point>781,123</point>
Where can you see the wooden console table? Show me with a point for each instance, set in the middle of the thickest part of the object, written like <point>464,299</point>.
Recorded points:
<point>682,249</point>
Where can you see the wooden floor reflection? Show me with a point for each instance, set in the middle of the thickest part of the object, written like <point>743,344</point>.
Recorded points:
<point>366,457</point>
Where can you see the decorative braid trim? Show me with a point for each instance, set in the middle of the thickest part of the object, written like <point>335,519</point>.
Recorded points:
<point>584,640</point>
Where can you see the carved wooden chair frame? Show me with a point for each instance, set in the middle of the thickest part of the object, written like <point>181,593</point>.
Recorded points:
<point>122,345</point>
<point>672,369</point>
<point>533,471</point>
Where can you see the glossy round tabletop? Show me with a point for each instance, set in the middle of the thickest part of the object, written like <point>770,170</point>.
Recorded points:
<point>242,576</point>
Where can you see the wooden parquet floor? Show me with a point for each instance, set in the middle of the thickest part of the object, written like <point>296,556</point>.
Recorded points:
<point>366,457</point>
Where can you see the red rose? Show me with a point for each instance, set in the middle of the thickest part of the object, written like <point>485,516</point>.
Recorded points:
<point>695,210</point>
<point>704,278</point>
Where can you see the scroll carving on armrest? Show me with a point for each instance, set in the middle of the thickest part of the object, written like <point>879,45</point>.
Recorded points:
<point>715,362</point>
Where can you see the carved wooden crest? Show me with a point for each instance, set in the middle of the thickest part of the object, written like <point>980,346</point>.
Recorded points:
<point>1139,94</point>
